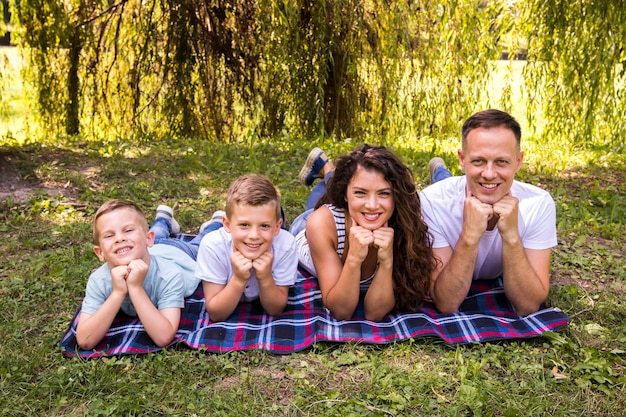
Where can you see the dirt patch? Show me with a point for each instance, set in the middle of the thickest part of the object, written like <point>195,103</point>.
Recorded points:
<point>11,183</point>
<point>13,186</point>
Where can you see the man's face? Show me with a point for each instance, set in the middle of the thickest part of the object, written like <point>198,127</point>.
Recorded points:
<point>490,159</point>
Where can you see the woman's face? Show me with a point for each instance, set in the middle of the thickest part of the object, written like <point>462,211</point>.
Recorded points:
<point>370,199</point>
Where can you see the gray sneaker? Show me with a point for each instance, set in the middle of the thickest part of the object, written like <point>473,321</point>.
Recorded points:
<point>216,217</point>
<point>435,163</point>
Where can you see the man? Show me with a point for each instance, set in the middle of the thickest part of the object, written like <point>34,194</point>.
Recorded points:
<point>486,224</point>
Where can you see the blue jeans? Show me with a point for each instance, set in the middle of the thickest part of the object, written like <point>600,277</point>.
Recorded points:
<point>317,192</point>
<point>441,173</point>
<point>189,244</point>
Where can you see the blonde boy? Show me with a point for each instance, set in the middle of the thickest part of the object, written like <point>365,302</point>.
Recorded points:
<point>151,287</point>
<point>251,257</point>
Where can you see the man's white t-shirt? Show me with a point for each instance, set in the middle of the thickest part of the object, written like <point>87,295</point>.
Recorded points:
<point>442,209</point>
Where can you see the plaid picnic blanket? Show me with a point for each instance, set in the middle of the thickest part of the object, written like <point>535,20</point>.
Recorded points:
<point>485,315</point>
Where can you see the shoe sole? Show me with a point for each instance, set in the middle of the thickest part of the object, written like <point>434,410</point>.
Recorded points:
<point>308,164</point>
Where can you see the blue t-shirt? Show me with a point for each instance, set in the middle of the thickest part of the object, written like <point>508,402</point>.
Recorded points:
<point>164,284</point>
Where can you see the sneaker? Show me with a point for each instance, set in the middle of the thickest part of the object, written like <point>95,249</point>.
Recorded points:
<point>313,166</point>
<point>435,163</point>
<point>216,217</point>
<point>168,213</point>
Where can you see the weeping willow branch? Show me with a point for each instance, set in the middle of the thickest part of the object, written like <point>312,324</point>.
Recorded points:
<point>320,67</point>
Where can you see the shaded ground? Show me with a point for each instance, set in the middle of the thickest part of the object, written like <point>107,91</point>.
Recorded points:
<point>11,183</point>
<point>19,187</point>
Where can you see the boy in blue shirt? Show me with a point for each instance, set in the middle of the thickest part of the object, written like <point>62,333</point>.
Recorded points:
<point>140,278</point>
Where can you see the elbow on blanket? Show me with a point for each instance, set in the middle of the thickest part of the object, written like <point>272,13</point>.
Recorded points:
<point>85,343</point>
<point>341,315</point>
<point>374,316</point>
<point>447,308</point>
<point>526,311</point>
<point>162,340</point>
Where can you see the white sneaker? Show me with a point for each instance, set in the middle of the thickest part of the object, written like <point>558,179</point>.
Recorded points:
<point>168,213</point>
<point>216,217</point>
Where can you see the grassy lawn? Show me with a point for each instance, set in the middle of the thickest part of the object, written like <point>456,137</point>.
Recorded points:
<point>46,253</point>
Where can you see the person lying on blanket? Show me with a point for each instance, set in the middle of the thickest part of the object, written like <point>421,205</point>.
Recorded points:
<point>486,224</point>
<point>251,257</point>
<point>363,233</point>
<point>141,276</point>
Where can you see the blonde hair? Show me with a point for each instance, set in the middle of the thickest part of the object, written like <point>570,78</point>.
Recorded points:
<point>110,206</point>
<point>254,190</point>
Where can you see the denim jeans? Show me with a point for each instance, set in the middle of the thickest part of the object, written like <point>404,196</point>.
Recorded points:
<point>441,173</point>
<point>317,192</point>
<point>189,244</point>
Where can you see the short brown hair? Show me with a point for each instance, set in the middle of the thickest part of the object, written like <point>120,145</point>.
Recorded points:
<point>110,206</point>
<point>489,119</point>
<point>252,189</point>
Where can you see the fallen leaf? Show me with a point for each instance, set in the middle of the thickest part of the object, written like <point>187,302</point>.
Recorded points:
<point>556,374</point>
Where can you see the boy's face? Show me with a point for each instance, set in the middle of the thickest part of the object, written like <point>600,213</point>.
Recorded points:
<point>252,228</point>
<point>123,237</point>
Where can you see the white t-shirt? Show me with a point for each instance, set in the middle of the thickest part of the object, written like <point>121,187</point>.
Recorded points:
<point>442,209</point>
<point>214,265</point>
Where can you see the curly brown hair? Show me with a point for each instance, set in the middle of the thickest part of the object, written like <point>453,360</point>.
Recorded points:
<point>413,259</point>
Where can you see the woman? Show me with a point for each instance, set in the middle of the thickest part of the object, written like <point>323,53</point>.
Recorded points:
<point>366,233</point>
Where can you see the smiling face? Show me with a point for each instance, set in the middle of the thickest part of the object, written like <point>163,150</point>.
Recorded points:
<point>490,158</point>
<point>370,199</point>
<point>123,236</point>
<point>252,228</point>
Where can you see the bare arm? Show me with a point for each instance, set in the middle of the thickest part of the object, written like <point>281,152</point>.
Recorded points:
<point>380,298</point>
<point>161,325</point>
<point>92,328</point>
<point>452,279</point>
<point>526,271</point>
<point>221,300</point>
<point>273,297</point>
<point>339,283</point>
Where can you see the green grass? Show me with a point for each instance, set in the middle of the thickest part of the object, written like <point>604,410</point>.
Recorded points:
<point>47,256</point>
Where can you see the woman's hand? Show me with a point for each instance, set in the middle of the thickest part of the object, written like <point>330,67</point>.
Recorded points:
<point>383,240</point>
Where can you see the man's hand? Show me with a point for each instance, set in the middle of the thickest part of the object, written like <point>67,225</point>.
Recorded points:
<point>476,216</point>
<point>507,211</point>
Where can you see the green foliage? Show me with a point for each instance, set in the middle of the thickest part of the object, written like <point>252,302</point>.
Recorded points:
<point>241,70</point>
<point>576,74</point>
